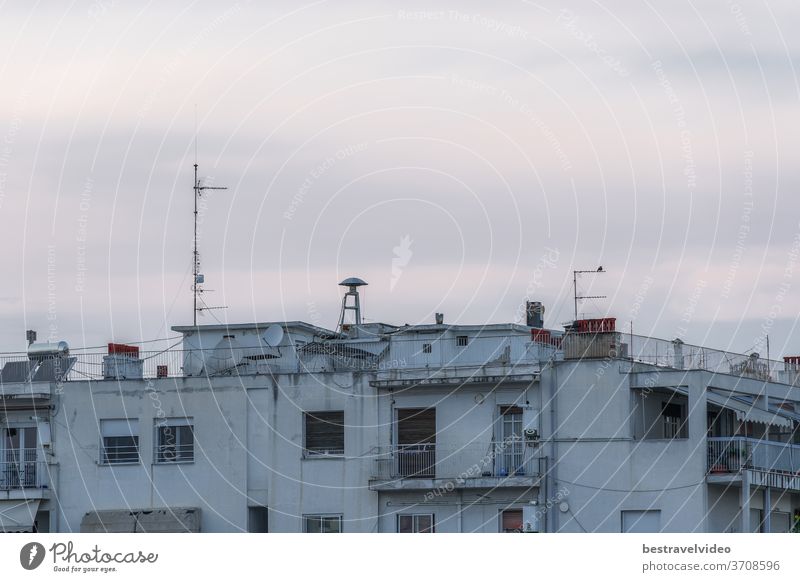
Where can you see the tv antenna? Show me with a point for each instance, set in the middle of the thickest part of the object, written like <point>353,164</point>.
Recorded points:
<point>575,288</point>
<point>199,279</point>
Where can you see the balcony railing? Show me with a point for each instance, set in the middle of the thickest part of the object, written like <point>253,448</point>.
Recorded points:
<point>427,460</point>
<point>21,469</point>
<point>731,454</point>
<point>681,356</point>
<point>404,353</point>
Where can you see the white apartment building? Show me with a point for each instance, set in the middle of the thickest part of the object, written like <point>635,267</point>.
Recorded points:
<point>288,427</point>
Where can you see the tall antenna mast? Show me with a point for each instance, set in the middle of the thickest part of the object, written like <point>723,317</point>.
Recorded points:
<point>575,288</point>
<point>197,288</point>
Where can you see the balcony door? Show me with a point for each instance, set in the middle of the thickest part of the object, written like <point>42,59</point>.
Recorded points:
<point>19,457</point>
<point>415,449</point>
<point>510,444</point>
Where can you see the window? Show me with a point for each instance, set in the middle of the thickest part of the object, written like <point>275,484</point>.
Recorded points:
<point>511,521</point>
<point>257,519</point>
<point>756,521</point>
<point>174,440</point>
<point>645,521</point>
<point>462,340</point>
<point>120,441</point>
<point>721,423</point>
<point>415,523</point>
<point>672,415</point>
<point>660,414</point>
<point>322,524</point>
<point>324,433</point>
<point>427,348</point>
<point>781,522</point>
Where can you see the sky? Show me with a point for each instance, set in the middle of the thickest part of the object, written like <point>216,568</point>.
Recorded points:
<point>459,157</point>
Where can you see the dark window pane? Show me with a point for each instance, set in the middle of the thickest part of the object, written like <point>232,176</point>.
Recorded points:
<point>323,524</point>
<point>186,450</point>
<point>405,524</point>
<point>257,519</point>
<point>425,524</point>
<point>121,449</point>
<point>175,443</point>
<point>313,524</point>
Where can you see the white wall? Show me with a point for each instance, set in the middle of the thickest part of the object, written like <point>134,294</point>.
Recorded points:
<point>248,450</point>
<point>249,439</point>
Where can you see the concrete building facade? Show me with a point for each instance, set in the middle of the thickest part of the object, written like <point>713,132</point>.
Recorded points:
<point>287,427</point>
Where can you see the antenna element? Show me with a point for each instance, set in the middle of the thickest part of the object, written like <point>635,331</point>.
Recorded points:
<point>199,279</point>
<point>575,288</point>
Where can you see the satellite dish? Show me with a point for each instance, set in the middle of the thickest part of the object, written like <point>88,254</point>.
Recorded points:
<point>225,356</point>
<point>273,336</point>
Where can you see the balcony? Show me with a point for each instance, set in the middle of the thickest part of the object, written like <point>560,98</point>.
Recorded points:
<point>21,471</point>
<point>428,466</point>
<point>771,463</point>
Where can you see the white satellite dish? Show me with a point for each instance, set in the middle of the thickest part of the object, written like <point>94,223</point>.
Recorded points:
<point>273,336</point>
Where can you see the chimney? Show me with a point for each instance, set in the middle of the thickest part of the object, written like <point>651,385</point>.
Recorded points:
<point>439,318</point>
<point>534,314</point>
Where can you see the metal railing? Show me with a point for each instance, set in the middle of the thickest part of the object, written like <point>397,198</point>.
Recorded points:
<point>21,469</point>
<point>171,363</point>
<point>511,458</point>
<point>113,454</point>
<point>681,356</point>
<point>174,453</point>
<point>414,460</point>
<point>429,460</point>
<point>375,356</point>
<point>398,353</point>
<point>731,454</point>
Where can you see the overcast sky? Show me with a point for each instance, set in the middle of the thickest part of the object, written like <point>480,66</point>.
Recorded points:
<point>459,157</point>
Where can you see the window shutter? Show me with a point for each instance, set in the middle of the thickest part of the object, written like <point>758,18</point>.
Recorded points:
<point>416,425</point>
<point>119,427</point>
<point>174,422</point>
<point>512,520</point>
<point>325,431</point>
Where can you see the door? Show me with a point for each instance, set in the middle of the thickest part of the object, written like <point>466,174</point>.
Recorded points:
<point>510,446</point>
<point>19,457</point>
<point>415,451</point>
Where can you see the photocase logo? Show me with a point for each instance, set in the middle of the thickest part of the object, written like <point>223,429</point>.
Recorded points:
<point>402,255</point>
<point>31,555</point>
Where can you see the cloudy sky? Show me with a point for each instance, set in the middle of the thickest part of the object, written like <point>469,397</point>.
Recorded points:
<point>459,157</point>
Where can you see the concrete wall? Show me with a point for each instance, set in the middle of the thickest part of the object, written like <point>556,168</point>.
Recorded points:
<point>604,469</point>
<point>463,511</point>
<point>248,450</point>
